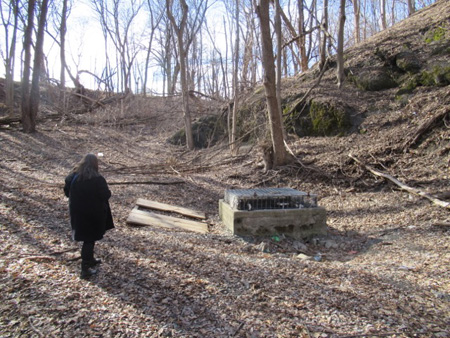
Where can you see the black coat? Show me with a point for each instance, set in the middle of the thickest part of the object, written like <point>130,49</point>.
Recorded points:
<point>90,214</point>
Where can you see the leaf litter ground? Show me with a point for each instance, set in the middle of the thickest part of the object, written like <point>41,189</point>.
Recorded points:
<point>383,269</point>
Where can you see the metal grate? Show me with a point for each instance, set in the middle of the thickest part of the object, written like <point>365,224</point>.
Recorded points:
<point>269,198</point>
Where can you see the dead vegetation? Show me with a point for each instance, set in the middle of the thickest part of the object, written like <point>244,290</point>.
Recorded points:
<point>383,269</point>
<point>381,272</point>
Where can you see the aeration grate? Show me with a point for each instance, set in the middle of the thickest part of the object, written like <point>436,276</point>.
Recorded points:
<point>269,198</point>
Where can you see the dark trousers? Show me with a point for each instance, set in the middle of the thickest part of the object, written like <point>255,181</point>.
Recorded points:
<point>87,251</point>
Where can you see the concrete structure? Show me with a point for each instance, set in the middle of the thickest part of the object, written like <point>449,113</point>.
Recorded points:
<point>297,222</point>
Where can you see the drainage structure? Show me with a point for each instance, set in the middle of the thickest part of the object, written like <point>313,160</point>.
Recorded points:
<point>272,211</point>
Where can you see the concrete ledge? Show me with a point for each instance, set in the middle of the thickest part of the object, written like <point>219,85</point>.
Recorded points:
<point>295,223</point>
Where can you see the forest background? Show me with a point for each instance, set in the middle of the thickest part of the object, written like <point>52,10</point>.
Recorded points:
<point>118,45</point>
<point>185,45</point>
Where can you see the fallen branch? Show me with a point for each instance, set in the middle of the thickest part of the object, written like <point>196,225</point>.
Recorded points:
<point>87,98</point>
<point>303,165</point>
<point>442,224</point>
<point>443,195</point>
<point>424,128</point>
<point>34,328</point>
<point>409,189</point>
<point>55,253</point>
<point>38,258</point>
<point>299,102</point>
<point>264,181</point>
<point>241,325</point>
<point>74,259</point>
<point>387,334</point>
<point>192,93</point>
<point>9,119</point>
<point>145,182</point>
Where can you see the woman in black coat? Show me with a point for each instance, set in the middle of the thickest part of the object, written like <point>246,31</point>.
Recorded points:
<point>90,214</point>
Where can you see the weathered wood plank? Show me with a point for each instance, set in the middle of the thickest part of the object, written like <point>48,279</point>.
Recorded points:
<point>166,207</point>
<point>141,217</point>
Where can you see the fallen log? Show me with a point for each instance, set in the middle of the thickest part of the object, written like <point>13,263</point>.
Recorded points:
<point>9,119</point>
<point>405,187</point>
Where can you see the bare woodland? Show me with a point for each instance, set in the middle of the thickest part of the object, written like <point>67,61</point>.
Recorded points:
<point>381,271</point>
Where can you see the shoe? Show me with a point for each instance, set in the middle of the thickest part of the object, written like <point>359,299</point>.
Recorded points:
<point>94,262</point>
<point>87,270</point>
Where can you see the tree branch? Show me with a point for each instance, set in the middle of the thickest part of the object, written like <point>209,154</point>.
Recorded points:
<point>299,102</point>
<point>409,189</point>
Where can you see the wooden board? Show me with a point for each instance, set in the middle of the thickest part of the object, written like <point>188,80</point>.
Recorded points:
<point>166,207</point>
<point>141,217</point>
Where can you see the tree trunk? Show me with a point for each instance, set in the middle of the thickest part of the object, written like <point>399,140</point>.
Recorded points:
<point>357,15</point>
<point>38,58</point>
<point>383,14</point>
<point>296,58</point>
<point>182,55</point>
<point>324,29</point>
<point>312,11</point>
<point>411,7</point>
<point>9,62</point>
<point>27,122</point>
<point>302,39</point>
<point>340,47</point>
<point>235,82</point>
<point>275,122</point>
<point>62,53</point>
<point>278,66</point>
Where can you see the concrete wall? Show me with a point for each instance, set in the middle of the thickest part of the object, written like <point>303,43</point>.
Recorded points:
<point>295,223</point>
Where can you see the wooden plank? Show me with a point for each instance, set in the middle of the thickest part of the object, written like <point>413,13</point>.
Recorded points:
<point>141,217</point>
<point>166,207</point>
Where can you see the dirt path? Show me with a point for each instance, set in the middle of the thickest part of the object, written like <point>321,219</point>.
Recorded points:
<point>384,268</point>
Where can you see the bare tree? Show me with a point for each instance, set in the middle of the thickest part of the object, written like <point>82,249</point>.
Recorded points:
<point>165,55</point>
<point>182,53</point>
<point>62,50</point>
<point>250,57</point>
<point>116,23</point>
<point>155,19</point>
<point>280,155</point>
<point>411,7</point>
<point>357,16</point>
<point>324,35</point>
<point>217,63</point>
<point>235,78</point>
<point>279,35</point>
<point>312,27</point>
<point>28,123</point>
<point>383,14</point>
<point>10,50</point>
<point>30,99</point>
<point>302,36</point>
<point>340,46</point>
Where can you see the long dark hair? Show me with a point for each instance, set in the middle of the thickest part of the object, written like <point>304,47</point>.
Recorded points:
<point>87,168</point>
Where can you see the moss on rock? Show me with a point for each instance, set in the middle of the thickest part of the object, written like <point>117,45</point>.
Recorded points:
<point>321,119</point>
<point>437,75</point>
<point>206,131</point>
<point>408,62</point>
<point>328,120</point>
<point>437,34</point>
<point>374,80</point>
